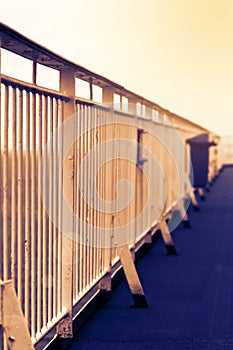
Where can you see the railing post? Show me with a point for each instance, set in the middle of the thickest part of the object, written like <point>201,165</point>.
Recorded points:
<point>67,87</point>
<point>91,89</point>
<point>106,283</point>
<point>34,72</point>
<point>124,252</point>
<point>108,96</point>
<point>132,105</point>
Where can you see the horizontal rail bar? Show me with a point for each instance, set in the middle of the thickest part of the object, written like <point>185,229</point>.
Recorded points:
<point>6,80</point>
<point>86,102</point>
<point>18,43</point>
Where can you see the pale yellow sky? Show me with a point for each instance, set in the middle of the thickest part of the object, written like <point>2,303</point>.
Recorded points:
<point>178,53</point>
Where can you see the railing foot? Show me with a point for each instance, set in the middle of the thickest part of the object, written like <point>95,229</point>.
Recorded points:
<point>196,208</point>
<point>184,215</point>
<point>171,250</point>
<point>194,201</point>
<point>105,286</point>
<point>186,224</point>
<point>65,327</point>
<point>139,301</point>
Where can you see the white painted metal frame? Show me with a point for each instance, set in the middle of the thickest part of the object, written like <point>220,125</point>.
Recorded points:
<point>51,272</point>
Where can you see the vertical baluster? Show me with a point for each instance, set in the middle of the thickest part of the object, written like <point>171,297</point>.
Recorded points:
<point>94,142</point>
<point>88,196</point>
<point>13,190</point>
<point>27,241</point>
<point>50,236</point>
<point>93,175</point>
<point>60,206</point>
<point>45,256</point>
<point>101,216</point>
<point>85,177</point>
<point>91,214</point>
<point>33,217</point>
<point>55,209</point>
<point>76,230</point>
<point>20,198</point>
<point>82,207</point>
<point>5,186</point>
<point>39,217</point>
<point>79,201</point>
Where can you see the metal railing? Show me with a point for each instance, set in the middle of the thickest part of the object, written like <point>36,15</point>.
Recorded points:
<point>226,150</point>
<point>58,223</point>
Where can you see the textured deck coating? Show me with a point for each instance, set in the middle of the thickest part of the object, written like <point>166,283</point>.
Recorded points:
<point>190,295</point>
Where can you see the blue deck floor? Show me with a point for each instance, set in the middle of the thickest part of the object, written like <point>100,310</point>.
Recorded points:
<point>190,295</point>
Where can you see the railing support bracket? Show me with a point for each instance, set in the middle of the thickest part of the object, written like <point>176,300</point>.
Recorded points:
<point>184,215</point>
<point>167,238</point>
<point>132,277</point>
<point>201,194</point>
<point>12,319</point>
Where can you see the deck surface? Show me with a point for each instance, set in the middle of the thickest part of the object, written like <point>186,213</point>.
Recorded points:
<point>190,295</point>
